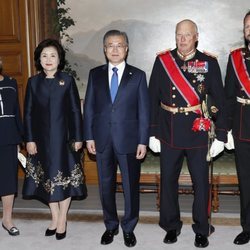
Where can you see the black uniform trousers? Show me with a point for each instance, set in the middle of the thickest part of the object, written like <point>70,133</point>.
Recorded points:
<point>242,159</point>
<point>107,162</point>
<point>171,161</point>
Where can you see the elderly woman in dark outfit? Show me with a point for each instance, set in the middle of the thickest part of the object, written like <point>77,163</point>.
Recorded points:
<point>10,137</point>
<point>53,135</point>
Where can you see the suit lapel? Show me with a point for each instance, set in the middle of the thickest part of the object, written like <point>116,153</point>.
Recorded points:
<point>104,77</point>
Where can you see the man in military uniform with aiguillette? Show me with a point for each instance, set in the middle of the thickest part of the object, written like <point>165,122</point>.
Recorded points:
<point>237,88</point>
<point>180,80</point>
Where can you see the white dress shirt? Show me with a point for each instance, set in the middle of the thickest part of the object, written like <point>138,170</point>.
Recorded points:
<point>120,71</point>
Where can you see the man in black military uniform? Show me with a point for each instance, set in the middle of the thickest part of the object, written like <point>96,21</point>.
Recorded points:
<point>179,81</point>
<point>237,89</point>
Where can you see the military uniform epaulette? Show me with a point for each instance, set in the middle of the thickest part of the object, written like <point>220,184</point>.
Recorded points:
<point>210,54</point>
<point>163,52</point>
<point>236,49</point>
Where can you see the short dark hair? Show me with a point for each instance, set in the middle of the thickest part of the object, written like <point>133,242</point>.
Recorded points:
<point>49,43</point>
<point>115,33</point>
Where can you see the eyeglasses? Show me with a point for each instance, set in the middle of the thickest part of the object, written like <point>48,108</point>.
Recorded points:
<point>113,46</point>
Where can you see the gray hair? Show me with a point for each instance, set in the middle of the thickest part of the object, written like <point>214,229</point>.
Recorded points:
<point>188,20</point>
<point>115,33</point>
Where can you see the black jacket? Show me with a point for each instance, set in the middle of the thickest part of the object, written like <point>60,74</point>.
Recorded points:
<point>176,129</point>
<point>237,113</point>
<point>10,121</point>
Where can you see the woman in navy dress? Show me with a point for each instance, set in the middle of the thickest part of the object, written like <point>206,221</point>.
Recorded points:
<point>10,137</point>
<point>53,135</point>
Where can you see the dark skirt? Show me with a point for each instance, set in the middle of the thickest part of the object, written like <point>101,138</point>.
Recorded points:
<point>8,170</point>
<point>51,182</point>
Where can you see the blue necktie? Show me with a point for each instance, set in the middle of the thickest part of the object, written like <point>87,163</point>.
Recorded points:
<point>114,84</point>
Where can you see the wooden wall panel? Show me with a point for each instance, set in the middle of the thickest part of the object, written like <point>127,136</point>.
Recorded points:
<point>13,42</point>
<point>9,58</point>
<point>9,17</point>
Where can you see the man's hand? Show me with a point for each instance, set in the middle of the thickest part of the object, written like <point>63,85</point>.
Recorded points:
<point>91,147</point>
<point>154,144</point>
<point>216,148</point>
<point>141,151</point>
<point>230,141</point>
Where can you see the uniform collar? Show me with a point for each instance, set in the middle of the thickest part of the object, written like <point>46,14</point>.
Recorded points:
<point>187,57</point>
<point>246,52</point>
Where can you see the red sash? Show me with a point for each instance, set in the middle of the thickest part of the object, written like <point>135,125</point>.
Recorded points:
<point>179,80</point>
<point>241,70</point>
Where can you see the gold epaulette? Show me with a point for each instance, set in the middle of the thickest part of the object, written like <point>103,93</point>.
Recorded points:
<point>236,48</point>
<point>163,52</point>
<point>210,54</point>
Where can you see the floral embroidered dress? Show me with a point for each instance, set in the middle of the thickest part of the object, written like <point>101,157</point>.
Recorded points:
<point>52,119</point>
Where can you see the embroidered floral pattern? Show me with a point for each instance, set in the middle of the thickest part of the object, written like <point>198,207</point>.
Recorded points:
<point>37,174</point>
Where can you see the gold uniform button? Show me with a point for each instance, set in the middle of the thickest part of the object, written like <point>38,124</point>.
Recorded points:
<point>194,81</point>
<point>186,113</point>
<point>173,96</point>
<point>173,88</point>
<point>173,104</point>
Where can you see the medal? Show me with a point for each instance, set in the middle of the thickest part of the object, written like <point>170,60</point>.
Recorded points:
<point>196,67</point>
<point>201,88</point>
<point>184,67</point>
<point>200,78</point>
<point>185,58</point>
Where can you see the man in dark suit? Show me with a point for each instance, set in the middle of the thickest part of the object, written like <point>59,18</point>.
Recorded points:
<point>179,82</point>
<point>116,129</point>
<point>237,88</point>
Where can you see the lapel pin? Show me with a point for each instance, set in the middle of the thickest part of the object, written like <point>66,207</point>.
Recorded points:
<point>61,82</point>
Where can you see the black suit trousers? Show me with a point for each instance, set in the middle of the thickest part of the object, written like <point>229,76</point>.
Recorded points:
<point>242,159</point>
<point>171,163</point>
